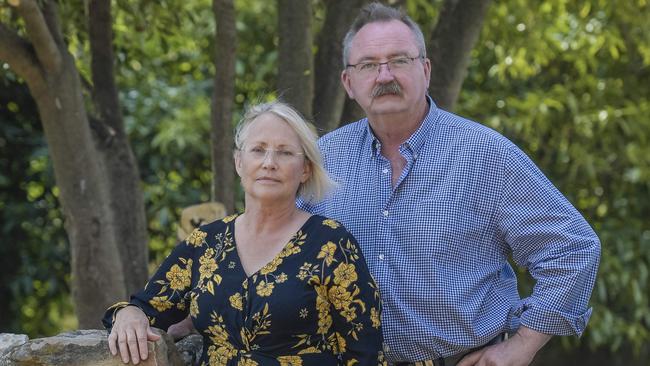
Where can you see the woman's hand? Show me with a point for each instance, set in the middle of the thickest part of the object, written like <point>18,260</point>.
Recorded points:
<point>130,334</point>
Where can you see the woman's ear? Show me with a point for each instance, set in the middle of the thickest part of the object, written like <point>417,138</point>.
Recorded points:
<point>237,156</point>
<point>306,172</point>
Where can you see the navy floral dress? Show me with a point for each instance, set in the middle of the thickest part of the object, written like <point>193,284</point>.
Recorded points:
<point>314,304</point>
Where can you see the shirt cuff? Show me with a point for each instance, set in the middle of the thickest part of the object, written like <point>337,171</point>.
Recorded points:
<point>554,322</point>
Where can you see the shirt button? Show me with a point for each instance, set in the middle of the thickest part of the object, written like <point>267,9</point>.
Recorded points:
<point>381,257</point>
<point>385,213</point>
<point>385,171</point>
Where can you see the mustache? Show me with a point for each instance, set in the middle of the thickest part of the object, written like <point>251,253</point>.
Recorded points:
<point>388,88</point>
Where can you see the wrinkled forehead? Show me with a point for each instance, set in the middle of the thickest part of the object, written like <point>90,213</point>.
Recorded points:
<point>383,39</point>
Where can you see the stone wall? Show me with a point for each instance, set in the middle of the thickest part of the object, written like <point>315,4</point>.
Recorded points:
<point>90,347</point>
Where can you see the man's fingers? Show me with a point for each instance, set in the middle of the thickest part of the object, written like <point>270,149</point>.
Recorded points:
<point>471,359</point>
<point>124,348</point>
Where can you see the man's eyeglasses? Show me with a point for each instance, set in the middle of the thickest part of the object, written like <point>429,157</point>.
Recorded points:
<point>394,65</point>
<point>281,155</point>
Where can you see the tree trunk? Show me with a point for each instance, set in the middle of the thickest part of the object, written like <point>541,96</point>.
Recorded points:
<point>83,176</point>
<point>458,28</point>
<point>126,200</point>
<point>295,57</point>
<point>223,170</point>
<point>329,97</point>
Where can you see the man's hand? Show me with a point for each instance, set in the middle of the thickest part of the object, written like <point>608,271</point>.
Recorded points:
<point>517,350</point>
<point>181,329</point>
<point>130,334</point>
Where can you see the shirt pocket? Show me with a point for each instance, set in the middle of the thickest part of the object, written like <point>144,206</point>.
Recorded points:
<point>451,229</point>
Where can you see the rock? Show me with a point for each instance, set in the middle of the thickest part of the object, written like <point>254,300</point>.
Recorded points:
<point>190,349</point>
<point>85,348</point>
<point>7,342</point>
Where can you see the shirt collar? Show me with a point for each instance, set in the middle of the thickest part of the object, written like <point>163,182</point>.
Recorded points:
<point>416,141</point>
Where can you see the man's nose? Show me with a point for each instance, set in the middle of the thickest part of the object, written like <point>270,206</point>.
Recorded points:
<point>384,74</point>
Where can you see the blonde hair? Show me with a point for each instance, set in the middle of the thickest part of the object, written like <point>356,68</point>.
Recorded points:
<point>319,183</point>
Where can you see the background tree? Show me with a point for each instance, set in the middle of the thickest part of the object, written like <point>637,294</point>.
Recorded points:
<point>329,97</point>
<point>457,30</point>
<point>295,82</point>
<point>223,96</point>
<point>93,210</point>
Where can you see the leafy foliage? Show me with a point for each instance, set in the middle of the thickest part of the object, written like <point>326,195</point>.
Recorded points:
<point>569,82</point>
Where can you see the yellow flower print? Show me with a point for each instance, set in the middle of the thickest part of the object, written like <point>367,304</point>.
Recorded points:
<point>236,301</point>
<point>194,305</point>
<point>375,318</point>
<point>265,289</point>
<point>290,360</point>
<point>271,266</point>
<point>208,264</point>
<point>221,354</point>
<point>282,277</point>
<point>160,303</point>
<point>331,223</point>
<point>290,249</point>
<point>349,314</point>
<point>247,362</point>
<point>340,297</point>
<point>337,342</point>
<point>196,238</point>
<point>303,271</point>
<point>309,350</point>
<point>179,278</point>
<point>327,252</point>
<point>322,304</point>
<point>227,219</point>
<point>345,274</point>
<point>324,323</point>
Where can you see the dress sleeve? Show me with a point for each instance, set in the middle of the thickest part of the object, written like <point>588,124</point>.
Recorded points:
<point>550,238</point>
<point>355,304</point>
<point>164,299</point>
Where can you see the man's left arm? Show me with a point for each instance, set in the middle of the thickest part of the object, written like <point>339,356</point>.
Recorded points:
<point>550,238</point>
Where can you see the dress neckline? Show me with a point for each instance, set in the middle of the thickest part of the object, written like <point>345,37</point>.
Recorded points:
<point>291,240</point>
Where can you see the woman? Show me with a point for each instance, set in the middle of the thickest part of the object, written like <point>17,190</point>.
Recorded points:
<point>273,285</point>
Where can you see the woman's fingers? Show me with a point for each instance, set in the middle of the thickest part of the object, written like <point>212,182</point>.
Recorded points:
<point>141,334</point>
<point>151,335</point>
<point>132,341</point>
<point>123,346</point>
<point>112,342</point>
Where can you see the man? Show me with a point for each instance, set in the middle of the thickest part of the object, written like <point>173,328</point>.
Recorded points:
<point>438,204</point>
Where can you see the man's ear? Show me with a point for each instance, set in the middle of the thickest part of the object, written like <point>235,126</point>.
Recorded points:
<point>345,80</point>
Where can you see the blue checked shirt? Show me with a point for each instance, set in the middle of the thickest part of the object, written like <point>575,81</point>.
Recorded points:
<point>438,242</point>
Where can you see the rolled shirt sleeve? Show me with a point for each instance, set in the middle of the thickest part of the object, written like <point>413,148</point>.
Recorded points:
<point>550,238</point>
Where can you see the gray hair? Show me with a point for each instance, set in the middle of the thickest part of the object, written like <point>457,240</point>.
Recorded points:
<point>319,184</point>
<point>376,12</point>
